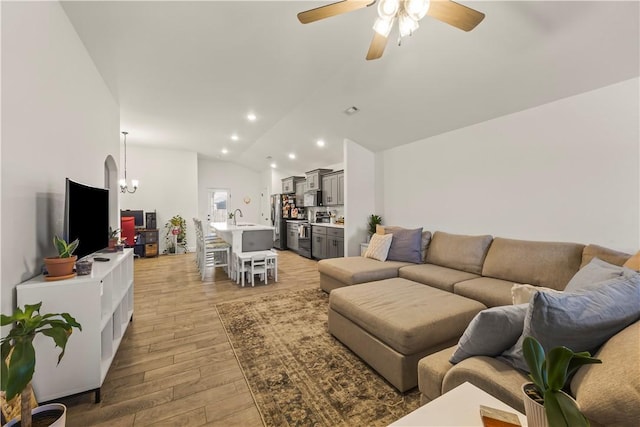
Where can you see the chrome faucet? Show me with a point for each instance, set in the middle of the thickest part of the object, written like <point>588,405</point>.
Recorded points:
<point>235,216</point>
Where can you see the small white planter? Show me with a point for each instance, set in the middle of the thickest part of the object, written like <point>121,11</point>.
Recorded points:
<point>536,416</point>
<point>59,422</point>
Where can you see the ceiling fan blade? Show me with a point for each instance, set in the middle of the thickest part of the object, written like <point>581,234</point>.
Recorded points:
<point>332,9</point>
<point>376,48</point>
<point>455,14</point>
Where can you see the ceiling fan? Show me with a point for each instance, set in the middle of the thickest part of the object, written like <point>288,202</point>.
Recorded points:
<point>406,12</point>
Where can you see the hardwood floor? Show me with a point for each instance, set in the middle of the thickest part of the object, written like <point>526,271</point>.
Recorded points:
<point>175,366</point>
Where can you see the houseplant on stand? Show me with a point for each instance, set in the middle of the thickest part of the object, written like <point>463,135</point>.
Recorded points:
<point>545,402</point>
<point>176,234</point>
<point>19,357</point>
<point>113,238</point>
<point>62,265</point>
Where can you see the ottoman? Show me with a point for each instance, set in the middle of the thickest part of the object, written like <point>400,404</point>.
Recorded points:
<point>391,324</point>
<point>338,272</point>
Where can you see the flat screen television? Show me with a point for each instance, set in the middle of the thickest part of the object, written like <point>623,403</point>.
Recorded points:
<point>86,217</point>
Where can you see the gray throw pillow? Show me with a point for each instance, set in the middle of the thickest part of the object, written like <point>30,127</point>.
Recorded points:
<point>581,322</point>
<point>491,332</point>
<point>592,275</point>
<point>406,246</point>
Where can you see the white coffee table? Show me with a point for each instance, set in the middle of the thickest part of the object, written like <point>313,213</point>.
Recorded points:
<point>458,407</point>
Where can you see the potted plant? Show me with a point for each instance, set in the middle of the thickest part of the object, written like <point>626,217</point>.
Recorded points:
<point>546,404</point>
<point>62,265</point>
<point>113,238</point>
<point>372,222</point>
<point>230,218</point>
<point>19,357</point>
<point>176,234</point>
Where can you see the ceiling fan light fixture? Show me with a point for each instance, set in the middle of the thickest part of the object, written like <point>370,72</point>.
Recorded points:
<point>383,26</point>
<point>387,9</point>
<point>407,25</point>
<point>416,9</point>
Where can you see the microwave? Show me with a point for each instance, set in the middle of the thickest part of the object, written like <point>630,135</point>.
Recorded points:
<point>313,198</point>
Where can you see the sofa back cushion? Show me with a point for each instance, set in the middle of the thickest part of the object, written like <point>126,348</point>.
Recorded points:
<point>457,251</point>
<point>605,254</point>
<point>549,264</point>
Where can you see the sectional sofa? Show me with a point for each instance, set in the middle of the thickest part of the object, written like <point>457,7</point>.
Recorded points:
<point>405,318</point>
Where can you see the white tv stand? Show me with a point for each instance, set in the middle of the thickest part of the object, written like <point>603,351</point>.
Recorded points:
<point>102,303</point>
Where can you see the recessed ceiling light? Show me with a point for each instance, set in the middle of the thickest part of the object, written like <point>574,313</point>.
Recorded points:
<point>273,165</point>
<point>251,117</point>
<point>224,151</point>
<point>351,110</point>
<point>292,156</point>
<point>234,137</point>
<point>320,143</point>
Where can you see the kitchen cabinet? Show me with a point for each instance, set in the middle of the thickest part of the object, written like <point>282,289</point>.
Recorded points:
<point>300,185</point>
<point>289,184</point>
<point>314,179</point>
<point>292,236</point>
<point>335,243</point>
<point>333,189</point>
<point>328,242</point>
<point>319,242</point>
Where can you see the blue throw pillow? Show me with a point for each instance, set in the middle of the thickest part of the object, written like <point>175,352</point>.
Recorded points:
<point>406,245</point>
<point>491,332</point>
<point>581,322</point>
<point>596,274</point>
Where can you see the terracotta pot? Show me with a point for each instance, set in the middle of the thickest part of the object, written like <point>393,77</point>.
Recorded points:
<point>60,266</point>
<point>52,414</point>
<point>112,243</point>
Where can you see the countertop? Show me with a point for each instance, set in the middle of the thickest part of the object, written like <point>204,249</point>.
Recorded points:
<point>223,226</point>
<point>327,224</point>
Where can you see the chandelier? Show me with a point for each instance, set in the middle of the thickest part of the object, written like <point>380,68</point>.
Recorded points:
<point>124,188</point>
<point>408,13</point>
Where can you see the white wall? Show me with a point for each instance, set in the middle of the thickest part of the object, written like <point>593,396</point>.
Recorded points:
<point>168,185</point>
<point>359,192</point>
<point>58,120</point>
<point>564,171</point>
<point>240,181</point>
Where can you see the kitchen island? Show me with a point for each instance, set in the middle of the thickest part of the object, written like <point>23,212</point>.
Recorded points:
<point>245,237</point>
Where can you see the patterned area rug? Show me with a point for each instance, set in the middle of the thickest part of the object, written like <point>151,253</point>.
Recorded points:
<point>298,373</point>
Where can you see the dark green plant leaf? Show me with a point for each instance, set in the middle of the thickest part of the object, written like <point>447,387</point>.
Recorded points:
<point>5,349</point>
<point>553,411</point>
<point>21,367</point>
<point>534,356</point>
<point>60,337</point>
<point>579,360</point>
<point>557,365</point>
<point>570,411</point>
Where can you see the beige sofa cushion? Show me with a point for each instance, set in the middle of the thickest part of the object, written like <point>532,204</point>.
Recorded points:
<point>457,251</point>
<point>489,291</point>
<point>433,275</point>
<point>354,270</point>
<point>609,393</point>
<point>491,375</point>
<point>407,316</point>
<point>431,372</point>
<point>609,255</point>
<point>549,264</point>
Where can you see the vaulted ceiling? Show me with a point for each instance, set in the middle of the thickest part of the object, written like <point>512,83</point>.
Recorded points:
<point>187,73</point>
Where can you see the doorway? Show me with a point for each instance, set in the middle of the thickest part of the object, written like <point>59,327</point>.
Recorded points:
<point>217,205</point>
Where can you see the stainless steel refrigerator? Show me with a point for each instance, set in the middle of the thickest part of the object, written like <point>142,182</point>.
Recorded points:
<point>278,222</point>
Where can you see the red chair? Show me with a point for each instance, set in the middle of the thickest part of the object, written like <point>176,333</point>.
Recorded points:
<point>128,230</point>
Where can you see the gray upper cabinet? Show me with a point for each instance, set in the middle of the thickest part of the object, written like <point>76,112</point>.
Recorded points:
<point>300,186</point>
<point>333,189</point>
<point>289,184</point>
<point>314,179</point>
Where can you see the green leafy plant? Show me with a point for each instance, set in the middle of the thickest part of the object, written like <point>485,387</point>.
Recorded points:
<point>113,234</point>
<point>18,353</point>
<point>372,221</point>
<point>65,250</point>
<point>176,223</point>
<point>230,215</point>
<point>550,375</point>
